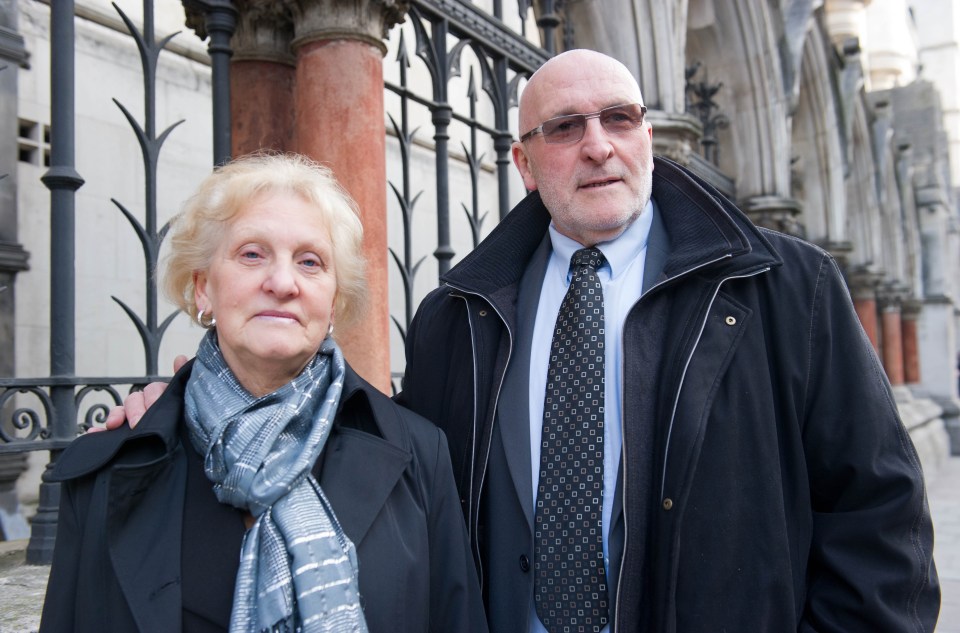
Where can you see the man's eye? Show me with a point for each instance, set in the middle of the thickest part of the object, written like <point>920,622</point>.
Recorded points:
<point>565,126</point>
<point>250,255</point>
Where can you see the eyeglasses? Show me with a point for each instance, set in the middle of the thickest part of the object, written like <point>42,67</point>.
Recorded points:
<point>570,127</point>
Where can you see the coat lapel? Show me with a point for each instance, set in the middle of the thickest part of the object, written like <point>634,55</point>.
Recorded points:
<point>363,460</point>
<point>359,472</point>
<point>513,410</point>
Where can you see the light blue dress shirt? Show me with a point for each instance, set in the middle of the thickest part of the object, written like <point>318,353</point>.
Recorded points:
<point>622,281</point>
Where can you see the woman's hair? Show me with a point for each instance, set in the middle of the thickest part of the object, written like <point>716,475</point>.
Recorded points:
<point>195,232</point>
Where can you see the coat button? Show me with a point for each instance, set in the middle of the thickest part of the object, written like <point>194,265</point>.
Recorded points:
<point>483,313</point>
<point>524,563</point>
<point>730,320</point>
<point>667,503</point>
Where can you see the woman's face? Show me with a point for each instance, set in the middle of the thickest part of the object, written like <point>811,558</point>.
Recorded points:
<point>271,286</point>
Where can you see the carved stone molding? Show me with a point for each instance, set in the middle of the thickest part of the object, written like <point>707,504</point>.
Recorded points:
<point>675,135</point>
<point>840,250</point>
<point>13,258</point>
<point>264,31</point>
<point>775,212</point>
<point>891,296</point>
<point>365,20</point>
<point>863,282</point>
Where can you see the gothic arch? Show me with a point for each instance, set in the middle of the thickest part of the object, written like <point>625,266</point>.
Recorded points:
<point>736,44</point>
<point>861,194</point>
<point>817,162</point>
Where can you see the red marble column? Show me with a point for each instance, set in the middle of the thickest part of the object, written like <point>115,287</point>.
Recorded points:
<point>262,74</point>
<point>911,347</point>
<point>863,290</point>
<point>339,120</point>
<point>892,342</point>
<point>867,311</point>
<point>261,108</point>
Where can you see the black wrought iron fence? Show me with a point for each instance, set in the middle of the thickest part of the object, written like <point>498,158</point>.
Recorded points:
<point>453,41</point>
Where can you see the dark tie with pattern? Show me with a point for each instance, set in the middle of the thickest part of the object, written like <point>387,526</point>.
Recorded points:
<point>570,585</point>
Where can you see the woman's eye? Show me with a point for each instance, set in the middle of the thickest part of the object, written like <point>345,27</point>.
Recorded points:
<point>251,255</point>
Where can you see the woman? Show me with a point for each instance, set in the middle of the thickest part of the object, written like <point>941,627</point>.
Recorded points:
<point>270,488</point>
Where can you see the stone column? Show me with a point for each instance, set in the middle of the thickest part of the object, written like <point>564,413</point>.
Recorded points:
<point>863,289</point>
<point>910,314</point>
<point>892,337</point>
<point>339,120</point>
<point>262,74</point>
<point>13,257</point>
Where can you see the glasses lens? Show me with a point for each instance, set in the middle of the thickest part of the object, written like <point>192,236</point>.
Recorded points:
<point>621,118</point>
<point>564,129</point>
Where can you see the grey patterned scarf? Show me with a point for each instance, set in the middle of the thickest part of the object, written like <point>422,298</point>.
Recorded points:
<point>298,570</point>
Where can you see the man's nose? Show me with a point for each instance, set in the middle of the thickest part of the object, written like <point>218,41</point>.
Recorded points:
<point>595,144</point>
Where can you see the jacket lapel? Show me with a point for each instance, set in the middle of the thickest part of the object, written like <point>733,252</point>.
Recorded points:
<point>513,409</point>
<point>359,473</point>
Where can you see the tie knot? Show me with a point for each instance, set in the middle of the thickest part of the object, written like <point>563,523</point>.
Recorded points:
<point>591,257</point>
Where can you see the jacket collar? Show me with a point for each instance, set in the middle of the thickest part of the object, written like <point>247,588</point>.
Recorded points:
<point>157,433</point>
<point>705,231</point>
<point>155,436</point>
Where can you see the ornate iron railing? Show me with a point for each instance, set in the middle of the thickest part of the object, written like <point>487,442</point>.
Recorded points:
<point>47,413</point>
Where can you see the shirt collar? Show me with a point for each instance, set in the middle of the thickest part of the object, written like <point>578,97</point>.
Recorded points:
<point>619,252</point>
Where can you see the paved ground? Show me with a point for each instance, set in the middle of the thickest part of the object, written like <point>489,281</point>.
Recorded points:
<point>943,493</point>
<point>22,586</point>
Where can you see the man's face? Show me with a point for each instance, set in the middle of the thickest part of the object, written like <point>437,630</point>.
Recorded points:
<point>596,187</point>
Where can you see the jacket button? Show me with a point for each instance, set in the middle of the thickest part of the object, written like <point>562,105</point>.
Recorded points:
<point>524,563</point>
<point>483,313</point>
<point>730,320</point>
<point>667,503</point>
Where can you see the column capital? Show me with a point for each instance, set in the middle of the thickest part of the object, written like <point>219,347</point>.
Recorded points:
<point>911,308</point>
<point>891,296</point>
<point>677,135</point>
<point>775,212</point>
<point>369,21</point>
<point>864,282</point>
<point>201,15</point>
<point>264,31</point>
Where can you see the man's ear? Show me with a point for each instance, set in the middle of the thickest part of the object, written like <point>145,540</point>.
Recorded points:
<point>523,166</point>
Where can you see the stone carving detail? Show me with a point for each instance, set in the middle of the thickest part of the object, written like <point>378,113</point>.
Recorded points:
<point>700,103</point>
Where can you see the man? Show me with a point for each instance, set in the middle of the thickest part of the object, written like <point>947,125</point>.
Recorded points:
<point>745,468</point>
<point>756,476</point>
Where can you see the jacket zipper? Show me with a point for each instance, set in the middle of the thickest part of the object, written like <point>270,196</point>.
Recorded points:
<point>623,447</point>
<point>475,517</point>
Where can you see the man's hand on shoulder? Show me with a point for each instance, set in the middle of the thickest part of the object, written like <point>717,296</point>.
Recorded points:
<point>137,403</point>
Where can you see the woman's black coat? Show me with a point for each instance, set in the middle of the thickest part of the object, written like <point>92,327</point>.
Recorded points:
<point>143,544</point>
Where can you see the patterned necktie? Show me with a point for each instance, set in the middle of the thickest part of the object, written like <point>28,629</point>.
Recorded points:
<point>570,585</point>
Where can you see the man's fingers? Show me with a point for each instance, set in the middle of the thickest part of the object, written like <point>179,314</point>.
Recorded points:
<point>137,403</point>
<point>134,407</point>
<point>152,392</point>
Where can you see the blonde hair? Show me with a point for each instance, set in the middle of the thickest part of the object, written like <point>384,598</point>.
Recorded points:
<point>196,231</point>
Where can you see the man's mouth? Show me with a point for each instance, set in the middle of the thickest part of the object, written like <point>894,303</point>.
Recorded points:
<point>600,183</point>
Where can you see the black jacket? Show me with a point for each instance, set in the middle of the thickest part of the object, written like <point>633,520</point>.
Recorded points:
<point>143,544</point>
<point>766,482</point>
